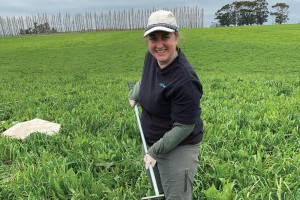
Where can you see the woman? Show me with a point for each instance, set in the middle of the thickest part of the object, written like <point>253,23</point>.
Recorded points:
<point>169,94</point>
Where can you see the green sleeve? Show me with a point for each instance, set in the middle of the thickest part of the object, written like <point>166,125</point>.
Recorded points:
<point>171,139</point>
<point>134,93</point>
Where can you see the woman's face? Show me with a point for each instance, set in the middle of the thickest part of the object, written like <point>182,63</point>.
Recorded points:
<point>162,45</point>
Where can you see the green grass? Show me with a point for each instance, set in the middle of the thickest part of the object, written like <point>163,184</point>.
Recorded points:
<point>250,110</point>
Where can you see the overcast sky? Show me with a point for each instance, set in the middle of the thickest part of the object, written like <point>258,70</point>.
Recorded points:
<point>32,7</point>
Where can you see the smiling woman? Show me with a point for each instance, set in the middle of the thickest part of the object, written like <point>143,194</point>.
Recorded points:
<point>162,46</point>
<point>169,94</point>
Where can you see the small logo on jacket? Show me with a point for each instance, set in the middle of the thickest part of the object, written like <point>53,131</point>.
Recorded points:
<point>162,85</point>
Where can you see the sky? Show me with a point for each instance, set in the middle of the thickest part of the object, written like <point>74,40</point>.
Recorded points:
<point>17,8</point>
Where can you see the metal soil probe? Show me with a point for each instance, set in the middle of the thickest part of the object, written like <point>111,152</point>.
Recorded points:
<point>157,195</point>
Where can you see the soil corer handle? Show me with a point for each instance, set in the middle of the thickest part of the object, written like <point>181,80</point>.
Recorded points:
<point>144,143</point>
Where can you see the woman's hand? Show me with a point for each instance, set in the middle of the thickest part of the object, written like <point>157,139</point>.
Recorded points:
<point>132,103</point>
<point>149,160</point>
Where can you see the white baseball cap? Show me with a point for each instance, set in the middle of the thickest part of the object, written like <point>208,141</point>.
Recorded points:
<point>161,20</point>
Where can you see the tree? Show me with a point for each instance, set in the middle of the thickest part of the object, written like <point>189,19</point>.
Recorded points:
<point>38,29</point>
<point>224,15</point>
<point>245,14</point>
<point>261,11</point>
<point>281,13</point>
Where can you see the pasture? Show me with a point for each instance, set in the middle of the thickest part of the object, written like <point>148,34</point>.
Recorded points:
<point>251,114</point>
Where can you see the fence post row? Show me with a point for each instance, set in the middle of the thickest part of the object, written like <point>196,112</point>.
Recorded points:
<point>188,17</point>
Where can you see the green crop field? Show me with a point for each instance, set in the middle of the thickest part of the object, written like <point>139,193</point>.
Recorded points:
<point>251,113</point>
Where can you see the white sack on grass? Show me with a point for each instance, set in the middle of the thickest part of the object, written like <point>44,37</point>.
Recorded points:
<point>24,129</point>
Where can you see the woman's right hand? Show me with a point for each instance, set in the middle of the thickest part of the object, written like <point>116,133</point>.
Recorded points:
<point>134,93</point>
<point>132,103</point>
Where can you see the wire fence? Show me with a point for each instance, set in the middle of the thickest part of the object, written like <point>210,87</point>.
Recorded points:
<point>132,19</point>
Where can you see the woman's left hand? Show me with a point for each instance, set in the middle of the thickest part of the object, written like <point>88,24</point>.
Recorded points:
<point>149,160</point>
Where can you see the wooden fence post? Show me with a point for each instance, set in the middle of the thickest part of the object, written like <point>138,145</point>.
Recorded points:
<point>187,17</point>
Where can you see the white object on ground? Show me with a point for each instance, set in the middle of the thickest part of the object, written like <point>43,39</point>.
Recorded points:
<point>24,129</point>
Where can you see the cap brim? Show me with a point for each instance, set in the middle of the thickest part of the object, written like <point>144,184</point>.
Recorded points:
<point>158,28</point>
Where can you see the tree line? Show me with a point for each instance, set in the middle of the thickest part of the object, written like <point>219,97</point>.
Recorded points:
<point>188,17</point>
<point>251,12</point>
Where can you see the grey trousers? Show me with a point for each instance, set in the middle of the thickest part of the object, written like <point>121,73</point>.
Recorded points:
<point>175,171</point>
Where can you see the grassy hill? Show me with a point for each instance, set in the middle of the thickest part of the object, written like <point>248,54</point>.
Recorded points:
<point>250,109</point>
